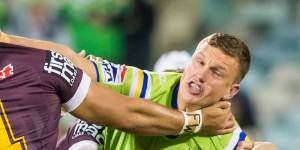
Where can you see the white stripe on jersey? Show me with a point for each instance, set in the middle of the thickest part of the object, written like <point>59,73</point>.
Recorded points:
<point>80,93</point>
<point>134,82</point>
<point>234,139</point>
<point>83,145</point>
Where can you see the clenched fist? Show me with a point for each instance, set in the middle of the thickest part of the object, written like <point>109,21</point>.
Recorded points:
<point>217,119</point>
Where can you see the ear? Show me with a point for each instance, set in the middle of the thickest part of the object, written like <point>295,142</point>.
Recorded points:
<point>235,88</point>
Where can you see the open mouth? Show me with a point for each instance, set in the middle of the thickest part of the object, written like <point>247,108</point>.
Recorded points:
<point>195,88</point>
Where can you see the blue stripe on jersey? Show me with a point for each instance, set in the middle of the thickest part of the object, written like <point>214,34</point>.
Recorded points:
<point>174,96</point>
<point>97,71</point>
<point>115,70</point>
<point>242,137</point>
<point>145,83</point>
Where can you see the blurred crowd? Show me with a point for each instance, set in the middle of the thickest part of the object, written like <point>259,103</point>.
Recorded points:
<point>137,32</point>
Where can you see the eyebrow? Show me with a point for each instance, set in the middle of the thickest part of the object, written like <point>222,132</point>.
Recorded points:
<point>216,67</point>
<point>220,68</point>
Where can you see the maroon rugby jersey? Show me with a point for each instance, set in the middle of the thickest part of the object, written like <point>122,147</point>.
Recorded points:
<point>34,84</point>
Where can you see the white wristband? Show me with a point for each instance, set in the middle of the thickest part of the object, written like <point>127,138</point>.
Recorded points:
<point>186,120</point>
<point>198,128</point>
<point>192,122</point>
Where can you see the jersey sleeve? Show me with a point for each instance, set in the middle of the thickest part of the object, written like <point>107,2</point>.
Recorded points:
<point>83,133</point>
<point>230,141</point>
<point>124,79</point>
<point>69,82</point>
<point>238,135</point>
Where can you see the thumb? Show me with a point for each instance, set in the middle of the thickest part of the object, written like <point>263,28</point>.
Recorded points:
<point>82,53</point>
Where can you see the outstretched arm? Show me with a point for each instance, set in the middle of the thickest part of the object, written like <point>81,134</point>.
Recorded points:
<point>103,106</point>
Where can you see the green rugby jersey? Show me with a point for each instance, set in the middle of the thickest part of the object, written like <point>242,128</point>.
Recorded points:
<point>161,88</point>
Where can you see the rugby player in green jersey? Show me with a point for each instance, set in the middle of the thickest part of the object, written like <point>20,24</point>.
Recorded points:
<point>48,80</point>
<point>218,65</point>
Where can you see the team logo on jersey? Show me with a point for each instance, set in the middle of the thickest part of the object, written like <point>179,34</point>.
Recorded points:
<point>6,71</point>
<point>112,73</point>
<point>59,65</point>
<point>84,128</point>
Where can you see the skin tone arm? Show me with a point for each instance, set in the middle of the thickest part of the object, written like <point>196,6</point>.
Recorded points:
<point>105,107</point>
<point>133,115</point>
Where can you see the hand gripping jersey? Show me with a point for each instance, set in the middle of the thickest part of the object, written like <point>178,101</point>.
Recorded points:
<point>161,88</point>
<point>33,85</point>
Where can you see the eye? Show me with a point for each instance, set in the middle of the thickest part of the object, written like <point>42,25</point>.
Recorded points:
<point>216,72</point>
<point>199,61</point>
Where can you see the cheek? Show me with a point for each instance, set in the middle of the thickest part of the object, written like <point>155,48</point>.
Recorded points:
<point>217,89</point>
<point>187,74</point>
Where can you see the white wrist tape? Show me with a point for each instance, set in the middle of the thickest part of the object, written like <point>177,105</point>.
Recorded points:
<point>192,122</point>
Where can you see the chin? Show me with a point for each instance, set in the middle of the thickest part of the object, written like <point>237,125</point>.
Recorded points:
<point>190,99</point>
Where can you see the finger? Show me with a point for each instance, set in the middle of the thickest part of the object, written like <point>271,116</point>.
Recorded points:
<point>230,116</point>
<point>229,124</point>
<point>225,130</point>
<point>240,148</point>
<point>99,59</point>
<point>264,145</point>
<point>82,53</point>
<point>223,104</point>
<point>227,112</point>
<point>245,145</point>
<point>91,57</point>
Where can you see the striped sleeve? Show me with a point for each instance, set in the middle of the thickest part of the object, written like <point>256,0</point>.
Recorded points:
<point>141,84</point>
<point>127,80</point>
<point>238,136</point>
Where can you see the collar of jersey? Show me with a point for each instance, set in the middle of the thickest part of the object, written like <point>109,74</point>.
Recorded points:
<point>174,96</point>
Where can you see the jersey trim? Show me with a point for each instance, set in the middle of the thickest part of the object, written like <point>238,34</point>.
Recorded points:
<point>149,85</point>
<point>141,84</point>
<point>238,136</point>
<point>174,96</point>
<point>83,145</point>
<point>80,93</point>
<point>97,71</point>
<point>7,137</point>
<point>134,82</point>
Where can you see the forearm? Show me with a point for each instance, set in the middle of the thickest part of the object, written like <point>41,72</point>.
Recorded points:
<point>153,119</point>
<point>105,107</point>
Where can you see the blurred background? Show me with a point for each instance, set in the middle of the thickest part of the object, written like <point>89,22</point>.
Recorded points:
<point>138,32</point>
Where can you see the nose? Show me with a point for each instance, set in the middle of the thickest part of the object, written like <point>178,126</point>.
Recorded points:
<point>202,74</point>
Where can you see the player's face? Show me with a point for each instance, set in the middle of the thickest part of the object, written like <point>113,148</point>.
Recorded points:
<point>209,77</point>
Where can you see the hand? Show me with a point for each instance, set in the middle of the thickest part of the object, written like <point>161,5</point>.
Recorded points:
<point>217,119</point>
<point>82,54</point>
<point>264,146</point>
<point>245,145</point>
<point>249,145</point>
